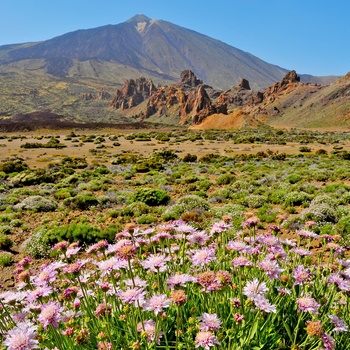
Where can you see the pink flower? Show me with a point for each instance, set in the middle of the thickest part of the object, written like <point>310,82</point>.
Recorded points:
<point>134,296</point>
<point>339,323</point>
<point>241,261</point>
<point>156,262</point>
<point>219,227</point>
<point>109,265</point>
<point>103,309</point>
<point>21,337</point>
<point>157,303</point>
<point>179,279</point>
<point>41,291</point>
<point>149,327</point>
<point>209,322</point>
<point>271,267</point>
<point>328,342</point>
<point>50,314</point>
<point>263,304</point>
<point>238,317</point>
<point>301,274</point>
<point>203,256</point>
<point>254,288</point>
<point>99,246</point>
<point>308,303</point>
<point>206,340</point>
<point>301,251</point>
<point>198,237</point>
<point>238,246</point>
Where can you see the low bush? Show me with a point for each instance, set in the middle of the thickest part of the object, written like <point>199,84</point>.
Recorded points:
<point>37,204</point>
<point>186,204</point>
<point>6,242</point>
<point>150,196</point>
<point>81,202</point>
<point>6,259</point>
<point>79,232</point>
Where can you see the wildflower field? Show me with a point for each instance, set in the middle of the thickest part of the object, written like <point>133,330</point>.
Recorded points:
<point>179,252</point>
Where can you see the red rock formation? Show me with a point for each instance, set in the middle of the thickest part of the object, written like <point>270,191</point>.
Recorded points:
<point>133,93</point>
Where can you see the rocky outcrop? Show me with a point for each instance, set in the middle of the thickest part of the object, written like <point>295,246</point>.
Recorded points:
<point>133,93</point>
<point>188,79</point>
<point>101,95</point>
<point>188,99</point>
<point>240,95</point>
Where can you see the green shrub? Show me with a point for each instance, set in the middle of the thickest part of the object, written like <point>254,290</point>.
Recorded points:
<point>79,232</point>
<point>225,179</point>
<point>5,230</point>
<point>6,259</point>
<point>296,198</point>
<point>37,245</point>
<point>185,204</point>
<point>64,193</point>
<point>14,166</point>
<point>304,149</point>
<point>135,209</point>
<point>150,196</point>
<point>190,158</point>
<point>293,178</point>
<point>81,202</point>
<point>146,219</point>
<point>5,242</point>
<point>37,204</point>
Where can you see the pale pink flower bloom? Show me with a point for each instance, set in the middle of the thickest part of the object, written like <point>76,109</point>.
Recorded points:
<point>308,303</point>
<point>99,246</point>
<point>271,268</point>
<point>238,246</point>
<point>183,227</point>
<point>157,303</point>
<point>135,296</point>
<point>339,323</point>
<point>206,340</point>
<point>149,327</point>
<point>301,251</point>
<point>22,337</point>
<point>283,291</point>
<point>301,274</point>
<point>263,304</point>
<point>41,291</point>
<point>202,257</point>
<point>72,250</point>
<point>307,234</point>
<point>109,265</point>
<point>209,322</point>
<point>156,262</point>
<point>137,282</point>
<point>50,314</point>
<point>47,275</point>
<point>254,288</point>
<point>219,227</point>
<point>198,237</point>
<point>161,236</point>
<point>179,279</point>
<point>241,261</point>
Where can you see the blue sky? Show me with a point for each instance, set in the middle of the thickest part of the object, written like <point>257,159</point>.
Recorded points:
<point>310,36</point>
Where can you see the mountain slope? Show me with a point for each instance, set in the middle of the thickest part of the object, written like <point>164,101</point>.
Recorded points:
<point>156,46</point>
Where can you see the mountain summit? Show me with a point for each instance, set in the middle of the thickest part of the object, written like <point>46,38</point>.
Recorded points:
<point>156,48</point>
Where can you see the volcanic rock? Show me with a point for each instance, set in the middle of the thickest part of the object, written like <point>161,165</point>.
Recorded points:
<point>133,93</point>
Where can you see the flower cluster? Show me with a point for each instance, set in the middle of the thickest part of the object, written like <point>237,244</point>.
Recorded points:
<point>177,286</point>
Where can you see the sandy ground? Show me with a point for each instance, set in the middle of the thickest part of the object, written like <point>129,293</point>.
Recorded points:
<point>41,157</point>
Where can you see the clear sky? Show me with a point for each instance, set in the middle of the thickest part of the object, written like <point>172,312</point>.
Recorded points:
<point>310,36</point>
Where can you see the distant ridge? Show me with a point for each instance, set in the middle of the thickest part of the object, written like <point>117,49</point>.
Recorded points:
<point>158,47</point>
